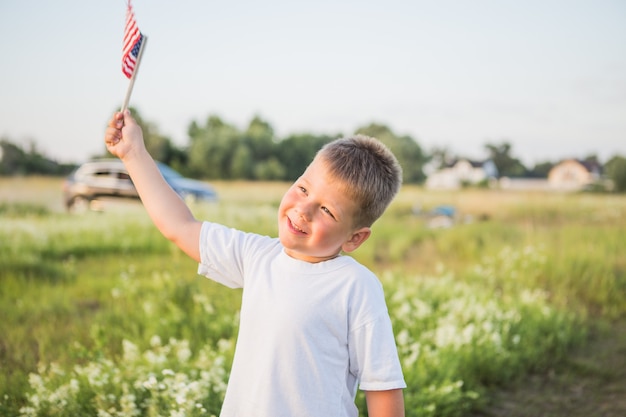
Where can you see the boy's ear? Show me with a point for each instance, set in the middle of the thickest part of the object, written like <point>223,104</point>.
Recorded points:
<point>358,237</point>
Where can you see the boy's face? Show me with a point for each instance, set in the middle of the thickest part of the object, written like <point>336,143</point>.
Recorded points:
<point>315,217</point>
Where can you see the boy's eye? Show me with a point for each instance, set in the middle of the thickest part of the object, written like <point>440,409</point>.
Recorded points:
<point>302,189</point>
<point>325,210</point>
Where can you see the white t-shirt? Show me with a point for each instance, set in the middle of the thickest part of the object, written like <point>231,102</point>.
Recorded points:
<point>309,332</point>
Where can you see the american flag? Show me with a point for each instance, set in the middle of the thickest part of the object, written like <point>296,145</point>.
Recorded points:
<point>132,43</point>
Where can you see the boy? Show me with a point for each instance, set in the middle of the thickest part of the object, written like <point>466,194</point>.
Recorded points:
<point>313,323</point>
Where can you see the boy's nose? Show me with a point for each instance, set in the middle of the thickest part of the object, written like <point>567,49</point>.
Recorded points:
<point>304,211</point>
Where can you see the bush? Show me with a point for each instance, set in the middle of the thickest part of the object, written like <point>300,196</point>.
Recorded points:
<point>616,172</point>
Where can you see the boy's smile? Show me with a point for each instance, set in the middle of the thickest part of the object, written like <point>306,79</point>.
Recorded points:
<point>315,217</point>
<point>295,228</point>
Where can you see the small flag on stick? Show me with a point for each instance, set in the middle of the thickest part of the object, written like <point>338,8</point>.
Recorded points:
<point>132,49</point>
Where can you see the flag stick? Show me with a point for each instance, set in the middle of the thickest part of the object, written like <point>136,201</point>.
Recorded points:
<point>135,71</point>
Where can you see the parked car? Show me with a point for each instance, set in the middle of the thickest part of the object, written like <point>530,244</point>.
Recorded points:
<point>96,179</point>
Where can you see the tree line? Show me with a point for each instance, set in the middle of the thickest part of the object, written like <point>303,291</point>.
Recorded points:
<point>216,149</point>
<point>219,150</point>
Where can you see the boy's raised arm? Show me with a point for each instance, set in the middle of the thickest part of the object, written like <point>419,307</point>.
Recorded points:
<point>385,403</point>
<point>167,210</point>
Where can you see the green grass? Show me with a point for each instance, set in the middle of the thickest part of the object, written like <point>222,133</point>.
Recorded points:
<point>100,314</point>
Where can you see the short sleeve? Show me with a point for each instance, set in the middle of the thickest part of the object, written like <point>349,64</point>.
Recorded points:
<point>374,356</point>
<point>220,257</point>
<point>227,254</point>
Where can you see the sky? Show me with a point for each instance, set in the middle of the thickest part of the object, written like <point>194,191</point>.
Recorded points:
<point>546,76</point>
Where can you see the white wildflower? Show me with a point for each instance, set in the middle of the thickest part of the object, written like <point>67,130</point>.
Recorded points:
<point>403,338</point>
<point>131,352</point>
<point>155,341</point>
<point>150,383</point>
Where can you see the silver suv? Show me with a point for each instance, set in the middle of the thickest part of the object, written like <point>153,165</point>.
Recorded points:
<point>108,178</point>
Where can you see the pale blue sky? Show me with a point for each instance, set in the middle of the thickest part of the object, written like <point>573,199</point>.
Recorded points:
<point>548,76</point>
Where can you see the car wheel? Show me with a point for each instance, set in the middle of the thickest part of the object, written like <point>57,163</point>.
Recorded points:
<point>79,204</point>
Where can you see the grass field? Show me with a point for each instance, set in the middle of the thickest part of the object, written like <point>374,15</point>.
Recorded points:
<point>102,316</point>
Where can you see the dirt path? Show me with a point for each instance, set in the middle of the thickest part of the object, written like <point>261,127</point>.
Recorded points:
<point>592,383</point>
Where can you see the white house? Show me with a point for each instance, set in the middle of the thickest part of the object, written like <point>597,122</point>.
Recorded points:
<point>462,172</point>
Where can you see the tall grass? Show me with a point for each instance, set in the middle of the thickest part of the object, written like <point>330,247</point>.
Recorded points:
<point>102,316</point>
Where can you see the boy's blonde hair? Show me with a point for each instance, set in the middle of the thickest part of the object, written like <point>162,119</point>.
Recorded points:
<point>368,171</point>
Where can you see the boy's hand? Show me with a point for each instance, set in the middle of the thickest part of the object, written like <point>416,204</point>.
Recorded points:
<point>123,135</point>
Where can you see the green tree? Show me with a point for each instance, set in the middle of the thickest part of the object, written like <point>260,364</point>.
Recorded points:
<point>269,170</point>
<point>615,170</point>
<point>507,165</point>
<point>158,146</point>
<point>541,169</point>
<point>297,151</point>
<point>241,165</point>
<point>259,136</point>
<point>211,148</point>
<point>410,155</point>
<point>14,160</point>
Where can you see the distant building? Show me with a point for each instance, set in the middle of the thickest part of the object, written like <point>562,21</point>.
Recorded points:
<point>524,184</point>
<point>462,172</point>
<point>572,175</point>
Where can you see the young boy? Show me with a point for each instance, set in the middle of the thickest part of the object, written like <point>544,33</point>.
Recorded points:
<point>313,323</point>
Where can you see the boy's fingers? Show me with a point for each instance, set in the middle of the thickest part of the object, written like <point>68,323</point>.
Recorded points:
<point>112,135</point>
<point>117,121</point>
<point>127,118</point>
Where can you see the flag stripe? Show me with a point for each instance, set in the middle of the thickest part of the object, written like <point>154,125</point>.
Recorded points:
<point>131,43</point>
